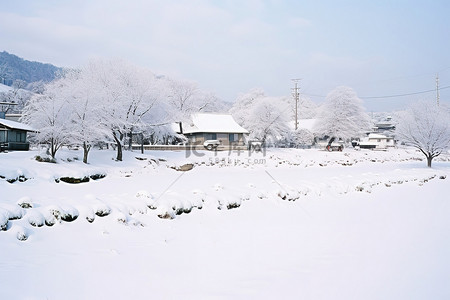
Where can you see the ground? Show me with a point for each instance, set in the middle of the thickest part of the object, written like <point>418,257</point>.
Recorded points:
<point>285,223</point>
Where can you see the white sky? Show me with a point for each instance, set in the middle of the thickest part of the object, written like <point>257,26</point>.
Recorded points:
<point>376,47</point>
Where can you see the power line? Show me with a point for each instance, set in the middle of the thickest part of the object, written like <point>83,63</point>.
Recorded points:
<point>389,96</point>
<point>437,88</point>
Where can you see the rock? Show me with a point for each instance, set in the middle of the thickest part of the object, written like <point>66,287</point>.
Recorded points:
<point>22,235</point>
<point>359,188</point>
<point>233,205</point>
<point>50,221</point>
<point>20,178</point>
<point>4,225</point>
<point>103,211</point>
<point>97,176</point>
<point>44,159</point>
<point>74,180</point>
<point>166,215</point>
<point>67,217</point>
<point>25,202</point>
<point>184,168</point>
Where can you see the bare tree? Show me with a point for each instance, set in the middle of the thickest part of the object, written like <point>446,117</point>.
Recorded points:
<point>426,127</point>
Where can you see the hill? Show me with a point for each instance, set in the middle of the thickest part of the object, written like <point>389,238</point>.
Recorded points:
<point>13,67</point>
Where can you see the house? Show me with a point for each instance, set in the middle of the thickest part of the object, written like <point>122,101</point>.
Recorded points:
<point>385,127</point>
<point>377,141</point>
<point>212,126</point>
<point>13,135</point>
<point>13,117</point>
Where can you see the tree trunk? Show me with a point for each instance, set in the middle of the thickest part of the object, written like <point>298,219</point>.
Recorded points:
<point>429,159</point>
<point>86,149</point>
<point>130,141</point>
<point>119,146</point>
<point>53,148</point>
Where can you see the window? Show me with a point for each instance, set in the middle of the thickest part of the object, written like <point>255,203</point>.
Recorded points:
<point>17,136</point>
<point>233,137</point>
<point>211,136</point>
<point>2,136</point>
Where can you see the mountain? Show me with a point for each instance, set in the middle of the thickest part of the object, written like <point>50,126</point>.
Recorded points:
<point>13,67</point>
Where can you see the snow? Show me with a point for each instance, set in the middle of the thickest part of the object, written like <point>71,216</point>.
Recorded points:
<point>284,224</point>
<point>4,88</point>
<point>15,125</point>
<point>306,124</point>
<point>215,123</point>
<point>377,136</point>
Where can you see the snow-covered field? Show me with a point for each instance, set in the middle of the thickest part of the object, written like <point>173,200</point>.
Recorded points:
<point>285,224</point>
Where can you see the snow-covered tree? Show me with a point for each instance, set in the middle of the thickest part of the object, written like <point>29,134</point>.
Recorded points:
<point>306,109</point>
<point>426,127</point>
<point>87,114</point>
<point>185,98</point>
<point>17,95</point>
<point>50,115</point>
<point>37,87</point>
<point>244,103</point>
<point>126,94</point>
<point>301,137</point>
<point>116,99</point>
<point>266,118</point>
<point>342,115</point>
<point>267,121</point>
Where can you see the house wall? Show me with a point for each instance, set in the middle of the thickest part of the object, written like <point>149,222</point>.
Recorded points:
<point>200,138</point>
<point>13,139</point>
<point>2,136</point>
<point>382,143</point>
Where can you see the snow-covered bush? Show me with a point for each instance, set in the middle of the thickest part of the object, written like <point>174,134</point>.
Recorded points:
<point>102,210</point>
<point>4,218</point>
<point>69,214</point>
<point>35,218</point>
<point>22,233</point>
<point>301,137</point>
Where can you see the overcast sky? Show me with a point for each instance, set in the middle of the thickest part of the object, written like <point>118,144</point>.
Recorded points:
<point>379,48</point>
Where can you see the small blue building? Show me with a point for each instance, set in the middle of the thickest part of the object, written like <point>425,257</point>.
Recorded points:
<point>13,135</point>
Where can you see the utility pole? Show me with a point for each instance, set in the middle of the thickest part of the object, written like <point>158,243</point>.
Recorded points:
<point>437,88</point>
<point>296,97</point>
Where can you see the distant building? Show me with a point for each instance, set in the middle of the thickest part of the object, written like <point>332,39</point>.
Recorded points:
<point>385,126</point>
<point>13,117</point>
<point>377,141</point>
<point>211,126</point>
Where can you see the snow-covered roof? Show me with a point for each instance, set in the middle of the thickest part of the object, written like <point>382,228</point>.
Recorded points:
<point>15,125</point>
<point>212,123</point>
<point>378,136</point>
